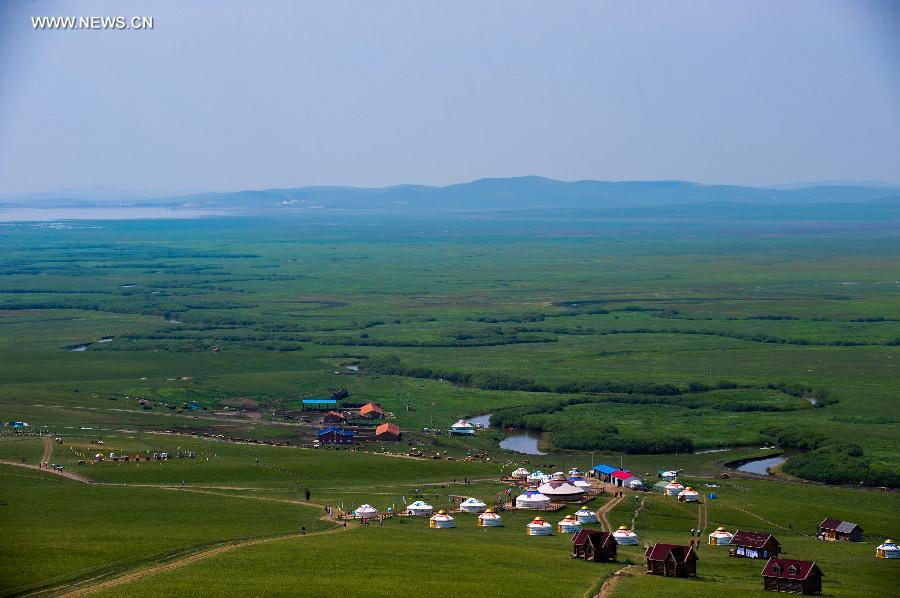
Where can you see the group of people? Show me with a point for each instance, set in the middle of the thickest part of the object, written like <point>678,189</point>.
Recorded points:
<point>54,466</point>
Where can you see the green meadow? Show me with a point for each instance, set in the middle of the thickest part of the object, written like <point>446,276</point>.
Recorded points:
<point>619,340</point>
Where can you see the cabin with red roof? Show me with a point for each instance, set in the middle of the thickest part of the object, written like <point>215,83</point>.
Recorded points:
<point>594,546</point>
<point>333,417</point>
<point>795,577</point>
<point>671,560</point>
<point>840,531</point>
<point>754,545</point>
<point>372,411</point>
<point>387,433</point>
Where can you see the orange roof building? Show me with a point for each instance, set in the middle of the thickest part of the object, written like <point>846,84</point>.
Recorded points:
<point>372,410</point>
<point>388,432</point>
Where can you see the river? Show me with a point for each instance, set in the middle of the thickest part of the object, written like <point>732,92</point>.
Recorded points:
<point>760,466</point>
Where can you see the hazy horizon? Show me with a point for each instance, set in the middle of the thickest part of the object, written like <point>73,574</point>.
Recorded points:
<point>236,96</point>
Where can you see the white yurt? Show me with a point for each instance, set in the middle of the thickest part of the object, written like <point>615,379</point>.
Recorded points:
<point>539,527</point>
<point>472,505</point>
<point>673,488</point>
<point>521,473</point>
<point>625,537</point>
<point>569,525</point>
<point>580,482</point>
<point>720,537</point>
<point>366,512</point>
<point>537,476</point>
<point>688,495</point>
<point>669,476</point>
<point>585,515</point>
<point>489,519</point>
<point>559,488</point>
<point>441,520</point>
<point>576,473</point>
<point>532,500</point>
<point>634,483</point>
<point>420,508</point>
<point>888,550</point>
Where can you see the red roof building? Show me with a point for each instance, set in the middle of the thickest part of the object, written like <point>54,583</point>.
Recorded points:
<point>671,560</point>
<point>754,545</point>
<point>842,531</point>
<point>372,410</point>
<point>387,432</point>
<point>796,577</point>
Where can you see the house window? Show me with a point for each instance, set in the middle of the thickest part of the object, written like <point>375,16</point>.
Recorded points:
<point>792,570</point>
<point>776,568</point>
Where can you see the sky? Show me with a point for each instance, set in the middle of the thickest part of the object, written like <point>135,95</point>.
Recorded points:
<point>225,95</point>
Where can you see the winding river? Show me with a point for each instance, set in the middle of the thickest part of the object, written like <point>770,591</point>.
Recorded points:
<point>522,441</point>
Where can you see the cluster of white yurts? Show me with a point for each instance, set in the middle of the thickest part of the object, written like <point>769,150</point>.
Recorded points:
<point>544,488</point>
<point>443,520</point>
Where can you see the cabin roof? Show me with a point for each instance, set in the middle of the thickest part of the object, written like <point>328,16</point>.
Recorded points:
<point>781,568</point>
<point>622,474</point>
<point>660,552</point>
<point>335,430</point>
<point>604,469</point>
<point>594,537</point>
<point>371,408</point>
<point>752,539</point>
<point>387,429</point>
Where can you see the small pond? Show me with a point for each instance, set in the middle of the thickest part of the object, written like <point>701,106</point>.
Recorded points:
<point>522,441</point>
<point>760,466</point>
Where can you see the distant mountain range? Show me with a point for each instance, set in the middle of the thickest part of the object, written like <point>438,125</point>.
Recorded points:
<point>492,194</point>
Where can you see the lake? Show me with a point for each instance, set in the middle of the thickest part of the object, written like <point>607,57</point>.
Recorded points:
<point>523,441</point>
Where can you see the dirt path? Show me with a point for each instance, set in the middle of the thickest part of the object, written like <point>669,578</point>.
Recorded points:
<point>48,450</point>
<point>793,531</point>
<point>65,474</point>
<point>602,511</point>
<point>196,557</point>
<point>609,586</point>
<point>702,517</point>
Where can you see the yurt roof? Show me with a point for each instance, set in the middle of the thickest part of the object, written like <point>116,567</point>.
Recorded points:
<point>473,502</point>
<point>559,488</point>
<point>419,504</point>
<point>585,511</point>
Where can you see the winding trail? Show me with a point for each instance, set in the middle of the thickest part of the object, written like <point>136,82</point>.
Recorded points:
<point>609,586</point>
<point>99,586</point>
<point>65,474</point>
<point>602,511</point>
<point>48,450</point>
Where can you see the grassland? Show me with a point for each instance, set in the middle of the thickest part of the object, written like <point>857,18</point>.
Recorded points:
<point>653,329</point>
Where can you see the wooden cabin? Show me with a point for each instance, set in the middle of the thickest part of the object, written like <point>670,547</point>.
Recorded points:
<point>671,560</point>
<point>387,433</point>
<point>335,435</point>
<point>333,417</point>
<point>372,411</point>
<point>754,545</point>
<point>836,530</point>
<point>794,577</point>
<point>594,546</point>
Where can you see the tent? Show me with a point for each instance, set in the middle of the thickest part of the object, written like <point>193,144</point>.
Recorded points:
<point>569,525</point>
<point>625,537</point>
<point>539,527</point>
<point>366,512</point>
<point>520,474</point>
<point>720,537</point>
<point>576,473</point>
<point>673,488</point>
<point>634,483</point>
<point>420,508</point>
<point>441,520</point>
<point>537,476</point>
<point>560,488</point>
<point>472,505</point>
<point>532,500</point>
<point>489,519</point>
<point>585,515</point>
<point>660,487</point>
<point>667,475</point>
<point>888,550</point>
<point>689,495</point>
<point>580,482</point>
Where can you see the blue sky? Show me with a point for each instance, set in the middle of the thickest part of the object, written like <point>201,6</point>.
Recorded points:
<point>225,95</point>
